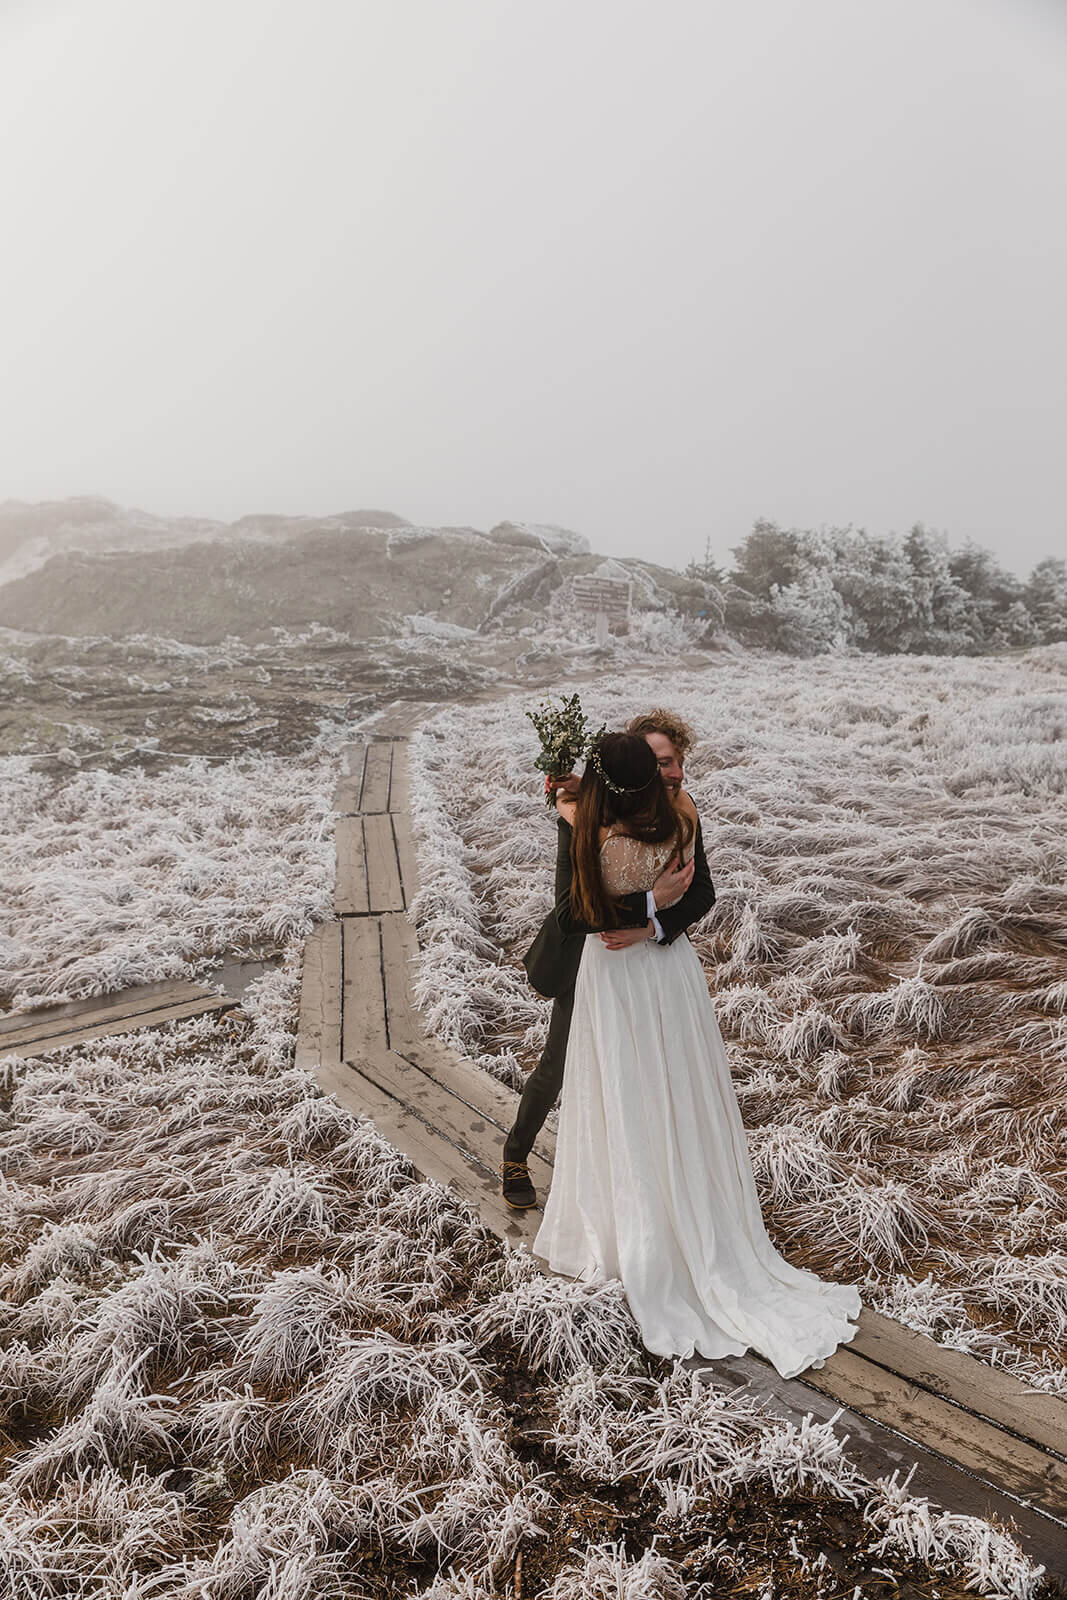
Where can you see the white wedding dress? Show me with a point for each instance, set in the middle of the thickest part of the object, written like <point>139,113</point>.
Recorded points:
<point>653,1182</point>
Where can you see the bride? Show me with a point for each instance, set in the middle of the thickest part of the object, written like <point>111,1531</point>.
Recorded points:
<point>653,1181</point>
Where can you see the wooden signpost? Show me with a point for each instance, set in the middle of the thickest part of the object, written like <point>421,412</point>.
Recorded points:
<point>608,599</point>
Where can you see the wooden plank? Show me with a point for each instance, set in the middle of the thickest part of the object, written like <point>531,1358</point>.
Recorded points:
<point>988,1391</point>
<point>449,1116</point>
<point>398,719</point>
<point>362,996</point>
<point>27,1026</point>
<point>405,854</point>
<point>400,782</point>
<point>1011,1463</point>
<point>379,763</point>
<point>145,1019</point>
<point>384,889</point>
<point>318,1034</point>
<point>389,717</point>
<point>350,784</point>
<point>431,1155</point>
<point>407,1037</point>
<point>350,885</point>
<point>878,1451</point>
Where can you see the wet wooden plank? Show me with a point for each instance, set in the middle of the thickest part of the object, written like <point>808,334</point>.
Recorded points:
<point>350,784</point>
<point>407,1037</point>
<point>384,889</point>
<point>318,1034</point>
<point>144,1019</point>
<point>24,1027</point>
<point>376,771</point>
<point>1009,1462</point>
<point>986,1390</point>
<point>362,995</point>
<point>878,1451</point>
<point>431,1155</point>
<point>350,885</point>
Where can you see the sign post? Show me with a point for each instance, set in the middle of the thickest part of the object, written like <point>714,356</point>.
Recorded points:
<point>607,599</point>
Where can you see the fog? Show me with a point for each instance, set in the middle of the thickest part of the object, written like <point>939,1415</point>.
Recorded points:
<point>646,272</point>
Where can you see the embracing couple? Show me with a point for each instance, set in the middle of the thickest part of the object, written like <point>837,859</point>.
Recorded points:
<point>653,1182</point>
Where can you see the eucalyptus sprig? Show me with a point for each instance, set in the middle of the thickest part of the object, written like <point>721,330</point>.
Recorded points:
<point>565,736</point>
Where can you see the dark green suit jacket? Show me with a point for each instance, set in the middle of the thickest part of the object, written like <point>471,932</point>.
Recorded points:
<point>552,960</point>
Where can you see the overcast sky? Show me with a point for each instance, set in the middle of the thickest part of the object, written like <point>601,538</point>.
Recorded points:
<point>650,271</point>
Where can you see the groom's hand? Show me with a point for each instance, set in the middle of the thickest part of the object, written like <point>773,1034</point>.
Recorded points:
<point>623,938</point>
<point>672,882</point>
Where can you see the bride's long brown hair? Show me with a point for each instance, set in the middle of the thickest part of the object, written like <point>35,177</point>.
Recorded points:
<point>644,808</point>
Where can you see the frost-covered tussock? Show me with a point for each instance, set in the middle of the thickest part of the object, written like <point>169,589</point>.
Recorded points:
<point>110,879</point>
<point>243,1351</point>
<point>888,950</point>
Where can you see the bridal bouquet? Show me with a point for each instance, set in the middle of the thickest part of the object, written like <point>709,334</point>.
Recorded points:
<point>565,737</point>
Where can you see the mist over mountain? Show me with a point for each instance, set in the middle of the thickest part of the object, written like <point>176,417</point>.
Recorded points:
<point>32,533</point>
<point>87,567</point>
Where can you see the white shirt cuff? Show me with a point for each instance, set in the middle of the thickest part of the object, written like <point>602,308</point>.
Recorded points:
<point>650,901</point>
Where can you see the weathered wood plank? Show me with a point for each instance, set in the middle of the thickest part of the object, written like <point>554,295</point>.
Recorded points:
<point>449,1116</point>
<point>432,1156</point>
<point>318,1034</point>
<point>379,763</point>
<point>362,995</point>
<point>389,720</point>
<point>878,1451</point>
<point>350,784</point>
<point>405,854</point>
<point>27,1026</point>
<point>971,1442</point>
<point>143,1019</point>
<point>399,950</point>
<point>986,1390</point>
<point>400,781</point>
<point>350,885</point>
<point>384,889</point>
<point>398,719</point>
<point>409,1039</point>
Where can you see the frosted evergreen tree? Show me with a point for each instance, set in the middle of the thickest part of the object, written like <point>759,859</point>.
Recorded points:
<point>805,591</point>
<point>1045,595</point>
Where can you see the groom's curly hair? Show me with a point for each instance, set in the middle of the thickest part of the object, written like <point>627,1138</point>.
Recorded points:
<point>658,720</point>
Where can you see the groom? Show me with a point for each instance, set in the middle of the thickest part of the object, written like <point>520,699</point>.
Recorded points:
<point>678,898</point>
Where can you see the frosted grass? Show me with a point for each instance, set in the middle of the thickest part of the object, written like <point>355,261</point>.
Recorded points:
<point>112,879</point>
<point>203,1397</point>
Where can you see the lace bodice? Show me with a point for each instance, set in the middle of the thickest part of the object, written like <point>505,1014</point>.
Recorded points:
<point>629,864</point>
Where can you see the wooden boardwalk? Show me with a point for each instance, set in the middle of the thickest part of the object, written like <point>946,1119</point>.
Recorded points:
<point>980,1442</point>
<point>30,1033</point>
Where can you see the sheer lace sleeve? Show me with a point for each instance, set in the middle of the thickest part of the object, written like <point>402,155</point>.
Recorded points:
<point>629,864</point>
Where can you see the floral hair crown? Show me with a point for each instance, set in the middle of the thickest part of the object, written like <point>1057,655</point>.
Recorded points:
<point>593,755</point>
<point>566,738</point>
